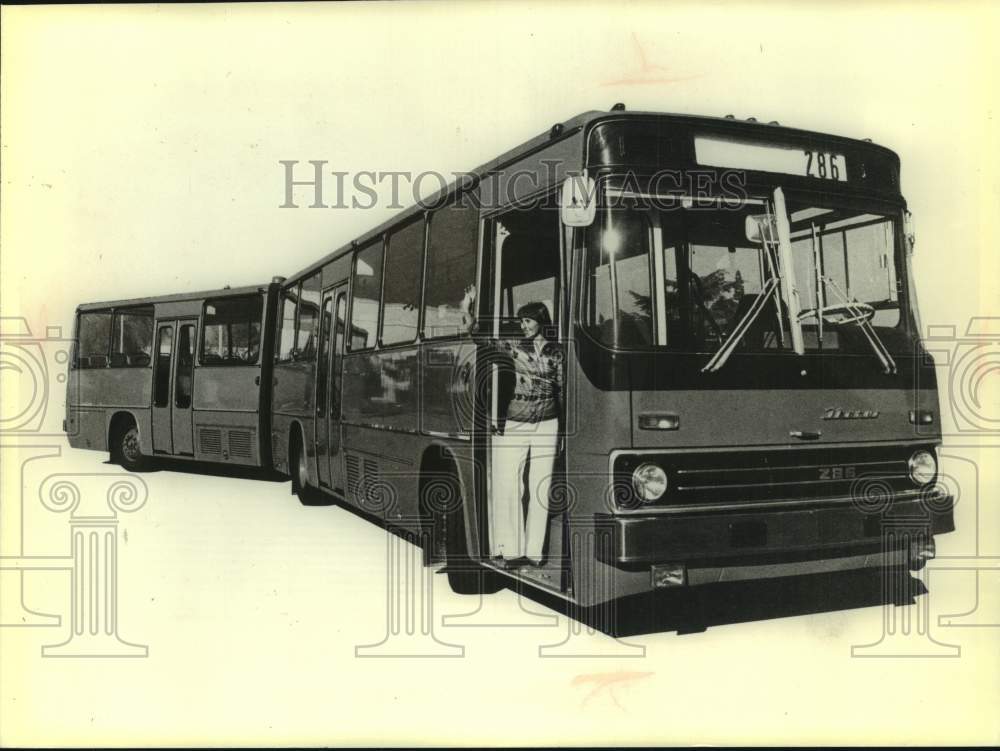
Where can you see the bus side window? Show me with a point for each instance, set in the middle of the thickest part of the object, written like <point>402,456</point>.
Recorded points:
<point>338,349</point>
<point>132,338</point>
<point>289,303</point>
<point>305,339</point>
<point>185,366</point>
<point>366,295</point>
<point>164,346</point>
<point>326,321</point>
<point>402,284</point>
<point>452,246</point>
<point>94,338</point>
<point>231,331</point>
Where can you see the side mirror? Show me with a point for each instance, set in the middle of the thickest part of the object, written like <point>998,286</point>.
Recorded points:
<point>759,229</point>
<point>577,201</point>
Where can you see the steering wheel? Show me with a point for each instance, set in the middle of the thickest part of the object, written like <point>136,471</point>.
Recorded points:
<point>716,329</point>
<point>842,313</point>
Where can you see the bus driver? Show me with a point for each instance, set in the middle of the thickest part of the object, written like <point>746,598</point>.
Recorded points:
<point>530,436</point>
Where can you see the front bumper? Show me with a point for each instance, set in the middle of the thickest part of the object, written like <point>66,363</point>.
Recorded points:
<point>775,542</point>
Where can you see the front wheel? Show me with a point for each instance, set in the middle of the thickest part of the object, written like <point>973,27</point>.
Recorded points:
<point>126,449</point>
<point>465,575</point>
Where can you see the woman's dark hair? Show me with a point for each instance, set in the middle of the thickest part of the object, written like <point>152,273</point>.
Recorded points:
<point>537,312</point>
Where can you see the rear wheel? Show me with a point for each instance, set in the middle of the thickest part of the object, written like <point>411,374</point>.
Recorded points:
<point>126,449</point>
<point>298,463</point>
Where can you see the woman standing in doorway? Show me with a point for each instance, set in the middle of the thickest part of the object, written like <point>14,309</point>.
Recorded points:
<point>529,436</point>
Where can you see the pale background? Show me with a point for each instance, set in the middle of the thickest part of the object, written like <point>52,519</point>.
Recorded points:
<point>140,150</point>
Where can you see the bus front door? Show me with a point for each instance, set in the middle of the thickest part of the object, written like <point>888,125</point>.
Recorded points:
<point>328,389</point>
<point>524,269</point>
<point>173,380</point>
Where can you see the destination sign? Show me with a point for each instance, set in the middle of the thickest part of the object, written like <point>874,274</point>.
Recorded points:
<point>788,160</point>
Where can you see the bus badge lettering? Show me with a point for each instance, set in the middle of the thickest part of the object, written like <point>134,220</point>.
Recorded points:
<point>837,473</point>
<point>835,413</point>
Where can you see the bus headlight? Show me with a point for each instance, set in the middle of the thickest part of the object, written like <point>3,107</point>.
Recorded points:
<point>649,482</point>
<point>922,467</point>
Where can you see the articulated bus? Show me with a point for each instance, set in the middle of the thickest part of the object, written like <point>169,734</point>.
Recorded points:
<point>744,395</point>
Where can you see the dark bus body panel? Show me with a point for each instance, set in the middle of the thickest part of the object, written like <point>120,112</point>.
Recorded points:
<point>736,417</point>
<point>646,143</point>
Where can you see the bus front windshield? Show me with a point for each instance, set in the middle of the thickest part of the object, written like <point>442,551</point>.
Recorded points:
<point>683,278</point>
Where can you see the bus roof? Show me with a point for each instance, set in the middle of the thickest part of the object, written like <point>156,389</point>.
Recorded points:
<point>180,297</point>
<point>749,128</point>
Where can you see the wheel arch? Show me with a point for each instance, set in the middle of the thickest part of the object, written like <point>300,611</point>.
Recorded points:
<point>297,432</point>
<point>120,419</point>
<point>440,458</point>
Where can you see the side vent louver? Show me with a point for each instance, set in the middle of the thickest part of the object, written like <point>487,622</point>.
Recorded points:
<point>372,492</point>
<point>240,444</point>
<point>210,441</point>
<point>353,475</point>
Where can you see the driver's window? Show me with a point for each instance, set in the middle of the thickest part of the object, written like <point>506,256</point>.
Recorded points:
<point>619,304</point>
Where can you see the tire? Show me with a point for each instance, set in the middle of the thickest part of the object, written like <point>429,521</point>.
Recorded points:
<point>299,468</point>
<point>465,576</point>
<point>126,449</point>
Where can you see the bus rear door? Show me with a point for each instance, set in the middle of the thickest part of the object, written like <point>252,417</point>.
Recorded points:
<point>173,380</point>
<point>328,388</point>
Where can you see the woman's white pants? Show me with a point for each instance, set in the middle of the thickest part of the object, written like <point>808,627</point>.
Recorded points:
<point>534,444</point>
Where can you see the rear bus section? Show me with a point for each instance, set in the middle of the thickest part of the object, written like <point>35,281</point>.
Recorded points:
<point>174,377</point>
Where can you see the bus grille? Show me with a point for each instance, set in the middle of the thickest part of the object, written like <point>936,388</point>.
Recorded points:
<point>867,474</point>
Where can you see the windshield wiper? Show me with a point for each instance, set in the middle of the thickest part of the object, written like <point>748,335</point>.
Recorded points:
<point>728,347</point>
<point>849,311</point>
<point>775,237</point>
